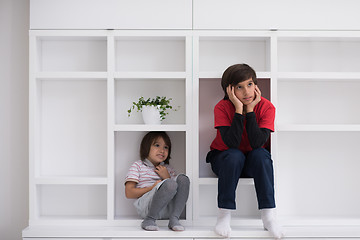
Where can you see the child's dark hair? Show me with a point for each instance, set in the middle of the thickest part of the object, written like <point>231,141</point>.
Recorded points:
<point>149,139</point>
<point>235,74</point>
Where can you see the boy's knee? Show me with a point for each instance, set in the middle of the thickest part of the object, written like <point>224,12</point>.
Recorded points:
<point>169,185</point>
<point>234,158</point>
<point>233,152</point>
<point>260,156</point>
<point>183,180</point>
<point>259,153</point>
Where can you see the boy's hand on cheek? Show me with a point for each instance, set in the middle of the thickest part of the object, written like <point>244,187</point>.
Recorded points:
<point>162,172</point>
<point>257,99</point>
<point>230,90</point>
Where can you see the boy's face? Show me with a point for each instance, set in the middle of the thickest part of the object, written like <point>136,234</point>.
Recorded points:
<point>158,151</point>
<point>245,91</point>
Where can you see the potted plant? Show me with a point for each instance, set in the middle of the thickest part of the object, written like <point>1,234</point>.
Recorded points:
<point>153,110</point>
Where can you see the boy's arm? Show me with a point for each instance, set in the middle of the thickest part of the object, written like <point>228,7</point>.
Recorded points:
<point>231,136</point>
<point>257,136</point>
<point>131,191</point>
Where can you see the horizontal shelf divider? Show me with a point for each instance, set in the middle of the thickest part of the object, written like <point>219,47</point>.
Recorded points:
<point>72,180</point>
<point>143,127</point>
<point>342,35</point>
<point>152,33</point>
<point>318,127</point>
<point>318,221</point>
<point>214,181</point>
<point>71,75</point>
<point>219,74</point>
<point>135,231</point>
<point>69,33</point>
<point>142,75</point>
<point>203,230</point>
<point>225,34</point>
<point>320,75</point>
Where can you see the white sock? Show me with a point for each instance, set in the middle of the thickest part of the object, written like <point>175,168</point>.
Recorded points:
<point>268,216</point>
<point>223,222</point>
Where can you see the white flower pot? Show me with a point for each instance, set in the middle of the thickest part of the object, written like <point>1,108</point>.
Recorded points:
<point>151,114</point>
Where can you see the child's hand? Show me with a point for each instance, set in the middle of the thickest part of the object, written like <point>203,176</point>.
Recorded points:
<point>162,172</point>
<point>230,90</point>
<point>257,99</point>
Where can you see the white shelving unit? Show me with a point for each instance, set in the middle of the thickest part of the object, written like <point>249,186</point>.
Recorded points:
<point>149,64</point>
<point>82,141</point>
<point>318,124</point>
<point>68,167</point>
<point>82,82</point>
<point>214,51</point>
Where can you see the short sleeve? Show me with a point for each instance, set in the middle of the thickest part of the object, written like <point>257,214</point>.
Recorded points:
<point>221,115</point>
<point>133,174</point>
<point>267,118</point>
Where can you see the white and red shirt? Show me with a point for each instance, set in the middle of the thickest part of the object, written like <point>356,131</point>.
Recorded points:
<point>143,173</point>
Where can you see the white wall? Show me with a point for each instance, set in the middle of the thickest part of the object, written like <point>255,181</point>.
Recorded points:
<point>14,25</point>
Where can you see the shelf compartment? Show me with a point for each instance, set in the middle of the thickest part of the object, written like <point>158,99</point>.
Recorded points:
<point>82,202</point>
<point>306,101</point>
<point>127,152</point>
<point>128,91</point>
<point>316,171</point>
<point>146,53</point>
<point>321,54</point>
<point>246,202</point>
<point>73,129</point>
<point>210,93</point>
<point>218,53</point>
<point>66,54</point>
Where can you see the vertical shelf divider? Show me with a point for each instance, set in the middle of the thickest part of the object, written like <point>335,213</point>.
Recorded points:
<point>195,114</point>
<point>189,120</point>
<point>274,100</point>
<point>110,127</point>
<point>33,129</point>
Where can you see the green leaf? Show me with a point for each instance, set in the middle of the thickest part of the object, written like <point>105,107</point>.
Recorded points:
<point>162,101</point>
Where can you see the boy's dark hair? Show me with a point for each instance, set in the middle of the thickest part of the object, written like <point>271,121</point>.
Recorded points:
<point>149,139</point>
<point>235,74</point>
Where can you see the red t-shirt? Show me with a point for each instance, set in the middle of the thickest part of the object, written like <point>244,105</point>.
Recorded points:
<point>224,113</point>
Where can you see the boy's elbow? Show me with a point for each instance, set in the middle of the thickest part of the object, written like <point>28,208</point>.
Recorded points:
<point>129,195</point>
<point>130,189</point>
<point>128,192</point>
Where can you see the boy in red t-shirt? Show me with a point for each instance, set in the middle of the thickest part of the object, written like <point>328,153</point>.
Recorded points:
<point>244,121</point>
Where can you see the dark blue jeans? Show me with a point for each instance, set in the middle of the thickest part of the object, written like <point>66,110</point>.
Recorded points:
<point>232,164</point>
